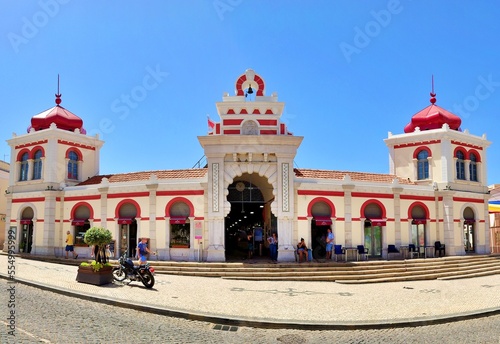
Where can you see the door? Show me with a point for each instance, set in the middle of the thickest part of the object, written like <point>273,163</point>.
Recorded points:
<point>27,238</point>
<point>373,240</point>
<point>469,237</point>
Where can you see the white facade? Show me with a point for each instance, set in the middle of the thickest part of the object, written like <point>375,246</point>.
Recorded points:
<point>199,214</point>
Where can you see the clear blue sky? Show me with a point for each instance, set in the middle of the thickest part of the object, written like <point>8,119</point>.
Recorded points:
<point>348,71</point>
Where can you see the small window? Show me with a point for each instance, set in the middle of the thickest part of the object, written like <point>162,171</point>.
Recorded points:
<point>37,165</point>
<point>73,165</point>
<point>80,231</point>
<point>460,165</point>
<point>473,167</point>
<point>23,176</point>
<point>180,235</point>
<point>422,165</point>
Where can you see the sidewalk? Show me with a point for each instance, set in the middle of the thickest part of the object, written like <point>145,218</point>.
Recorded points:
<point>289,304</point>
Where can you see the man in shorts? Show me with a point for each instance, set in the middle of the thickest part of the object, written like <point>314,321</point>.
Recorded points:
<point>329,244</point>
<point>143,250</point>
<point>69,245</point>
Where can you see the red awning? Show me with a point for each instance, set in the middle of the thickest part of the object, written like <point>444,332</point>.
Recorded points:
<point>323,220</point>
<point>469,221</point>
<point>26,221</point>
<point>125,221</point>
<point>78,222</point>
<point>177,220</point>
<point>419,221</point>
<point>378,222</point>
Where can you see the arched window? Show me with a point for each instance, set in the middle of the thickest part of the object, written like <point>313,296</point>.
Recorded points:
<point>473,167</point>
<point>422,165</point>
<point>73,165</point>
<point>37,165</point>
<point>23,176</point>
<point>179,225</point>
<point>460,165</point>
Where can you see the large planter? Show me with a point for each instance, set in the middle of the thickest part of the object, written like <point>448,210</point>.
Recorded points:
<point>87,275</point>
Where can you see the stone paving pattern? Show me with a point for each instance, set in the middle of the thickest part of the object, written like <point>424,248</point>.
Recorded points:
<point>280,303</point>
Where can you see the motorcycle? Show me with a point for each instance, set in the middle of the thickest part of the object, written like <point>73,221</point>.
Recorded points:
<point>127,269</point>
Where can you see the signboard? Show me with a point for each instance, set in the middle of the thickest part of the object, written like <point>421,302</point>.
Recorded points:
<point>198,230</point>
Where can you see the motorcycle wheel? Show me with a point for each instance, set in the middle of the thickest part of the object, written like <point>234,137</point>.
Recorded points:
<point>148,280</point>
<point>119,274</point>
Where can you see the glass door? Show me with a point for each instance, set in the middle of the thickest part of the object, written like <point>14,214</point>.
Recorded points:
<point>469,237</point>
<point>26,238</point>
<point>373,240</point>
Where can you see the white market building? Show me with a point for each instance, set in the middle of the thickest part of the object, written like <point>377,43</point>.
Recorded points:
<point>436,189</point>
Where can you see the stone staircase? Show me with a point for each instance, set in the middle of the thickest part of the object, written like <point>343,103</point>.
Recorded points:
<point>375,271</point>
<point>372,271</point>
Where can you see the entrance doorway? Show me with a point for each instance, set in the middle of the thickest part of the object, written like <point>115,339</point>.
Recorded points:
<point>469,236</point>
<point>129,240</point>
<point>245,226</point>
<point>319,231</point>
<point>373,239</point>
<point>26,241</point>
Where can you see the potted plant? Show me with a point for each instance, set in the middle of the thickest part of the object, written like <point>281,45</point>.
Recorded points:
<point>99,271</point>
<point>21,247</point>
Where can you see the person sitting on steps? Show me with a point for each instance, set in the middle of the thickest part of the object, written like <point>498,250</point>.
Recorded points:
<point>302,250</point>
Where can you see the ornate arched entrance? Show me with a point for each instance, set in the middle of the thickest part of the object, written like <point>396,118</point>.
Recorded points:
<point>249,221</point>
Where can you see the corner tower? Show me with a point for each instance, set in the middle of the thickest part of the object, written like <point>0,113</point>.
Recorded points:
<point>450,163</point>
<point>55,153</point>
<point>250,140</point>
<point>435,151</point>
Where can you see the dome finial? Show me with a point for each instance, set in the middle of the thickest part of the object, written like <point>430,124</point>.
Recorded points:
<point>58,94</point>
<point>433,95</point>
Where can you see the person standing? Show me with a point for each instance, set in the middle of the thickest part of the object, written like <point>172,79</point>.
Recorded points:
<point>142,251</point>
<point>273,247</point>
<point>250,245</point>
<point>70,245</point>
<point>329,244</point>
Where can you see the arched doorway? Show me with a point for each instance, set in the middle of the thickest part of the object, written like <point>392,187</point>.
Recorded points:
<point>26,240</point>
<point>418,215</point>
<point>80,221</point>
<point>250,221</point>
<point>373,213</point>
<point>127,213</point>
<point>469,223</point>
<point>321,213</point>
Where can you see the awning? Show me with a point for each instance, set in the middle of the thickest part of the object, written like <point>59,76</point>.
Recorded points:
<point>494,206</point>
<point>377,222</point>
<point>124,221</point>
<point>469,221</point>
<point>419,221</point>
<point>177,220</point>
<point>26,221</point>
<point>323,220</point>
<point>78,222</point>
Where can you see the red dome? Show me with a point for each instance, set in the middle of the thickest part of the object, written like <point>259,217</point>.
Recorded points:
<point>433,117</point>
<point>63,118</point>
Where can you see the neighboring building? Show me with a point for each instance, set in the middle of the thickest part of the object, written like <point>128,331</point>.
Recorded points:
<point>436,189</point>
<point>4,184</point>
<point>494,208</point>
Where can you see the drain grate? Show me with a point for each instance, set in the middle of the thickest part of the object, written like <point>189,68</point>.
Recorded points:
<point>226,328</point>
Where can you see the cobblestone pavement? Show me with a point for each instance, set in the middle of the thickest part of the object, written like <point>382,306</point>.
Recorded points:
<point>52,318</point>
<point>285,304</point>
